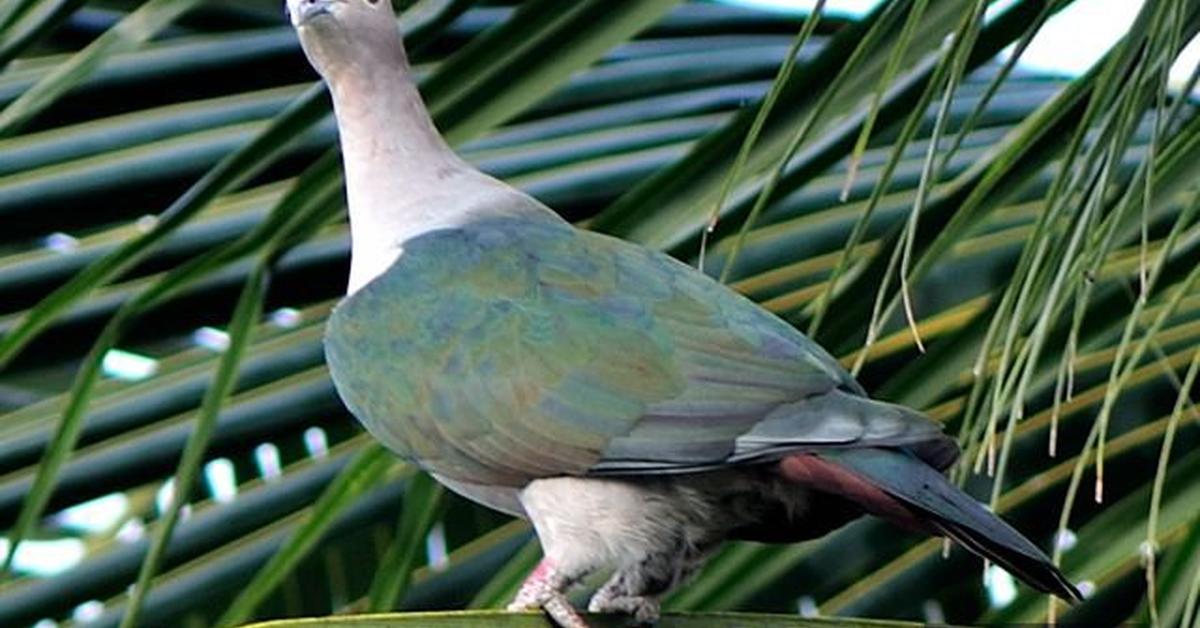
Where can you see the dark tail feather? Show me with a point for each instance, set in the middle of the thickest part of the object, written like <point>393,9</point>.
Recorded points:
<point>1037,572</point>
<point>945,508</point>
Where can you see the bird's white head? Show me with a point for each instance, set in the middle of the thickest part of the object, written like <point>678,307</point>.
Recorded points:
<point>342,36</point>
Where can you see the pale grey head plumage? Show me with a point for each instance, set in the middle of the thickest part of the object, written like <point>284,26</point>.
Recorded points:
<point>397,164</point>
<point>345,35</point>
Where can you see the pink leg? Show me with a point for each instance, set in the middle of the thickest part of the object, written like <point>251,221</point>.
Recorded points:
<point>545,589</point>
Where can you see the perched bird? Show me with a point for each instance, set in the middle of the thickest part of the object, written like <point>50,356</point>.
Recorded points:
<point>637,412</point>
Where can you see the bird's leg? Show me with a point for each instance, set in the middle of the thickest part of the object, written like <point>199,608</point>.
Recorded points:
<point>635,589</point>
<point>545,588</point>
<point>618,596</point>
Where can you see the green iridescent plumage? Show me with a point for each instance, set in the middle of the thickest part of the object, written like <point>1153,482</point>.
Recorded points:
<point>512,349</point>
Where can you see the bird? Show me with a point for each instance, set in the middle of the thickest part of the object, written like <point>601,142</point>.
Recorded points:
<point>636,411</point>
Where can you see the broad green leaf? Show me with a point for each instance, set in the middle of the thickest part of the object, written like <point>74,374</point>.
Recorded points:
<point>531,620</point>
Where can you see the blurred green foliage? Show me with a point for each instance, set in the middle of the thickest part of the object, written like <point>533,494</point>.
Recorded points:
<point>169,190</point>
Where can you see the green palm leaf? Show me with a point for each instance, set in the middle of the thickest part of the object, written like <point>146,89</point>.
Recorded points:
<point>162,159</point>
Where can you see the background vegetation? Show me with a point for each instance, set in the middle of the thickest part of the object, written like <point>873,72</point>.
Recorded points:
<point>173,237</point>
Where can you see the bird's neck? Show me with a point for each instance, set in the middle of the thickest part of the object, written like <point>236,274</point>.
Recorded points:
<point>385,128</point>
<point>397,165</point>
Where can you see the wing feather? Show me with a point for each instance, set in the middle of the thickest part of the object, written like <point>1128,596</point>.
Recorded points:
<point>508,350</point>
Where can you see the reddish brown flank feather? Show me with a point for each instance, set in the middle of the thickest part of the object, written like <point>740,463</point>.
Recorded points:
<point>812,471</point>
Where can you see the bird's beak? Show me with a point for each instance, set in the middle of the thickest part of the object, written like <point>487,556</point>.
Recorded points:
<point>302,12</point>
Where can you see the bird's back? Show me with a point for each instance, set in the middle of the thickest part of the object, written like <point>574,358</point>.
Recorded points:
<point>573,353</point>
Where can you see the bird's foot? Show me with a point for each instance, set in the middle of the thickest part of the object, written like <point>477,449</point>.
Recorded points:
<point>558,607</point>
<point>544,589</point>
<point>644,609</point>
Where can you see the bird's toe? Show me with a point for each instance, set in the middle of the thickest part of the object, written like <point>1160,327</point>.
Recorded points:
<point>563,613</point>
<point>645,610</point>
<point>543,590</point>
<point>556,605</point>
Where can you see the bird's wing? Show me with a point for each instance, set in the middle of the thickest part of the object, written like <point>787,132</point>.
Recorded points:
<point>511,350</point>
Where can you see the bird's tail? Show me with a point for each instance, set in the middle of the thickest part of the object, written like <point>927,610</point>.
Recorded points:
<point>896,485</point>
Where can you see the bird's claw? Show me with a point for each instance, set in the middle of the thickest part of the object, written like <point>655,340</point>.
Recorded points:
<point>543,590</point>
<point>645,610</point>
<point>556,606</point>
